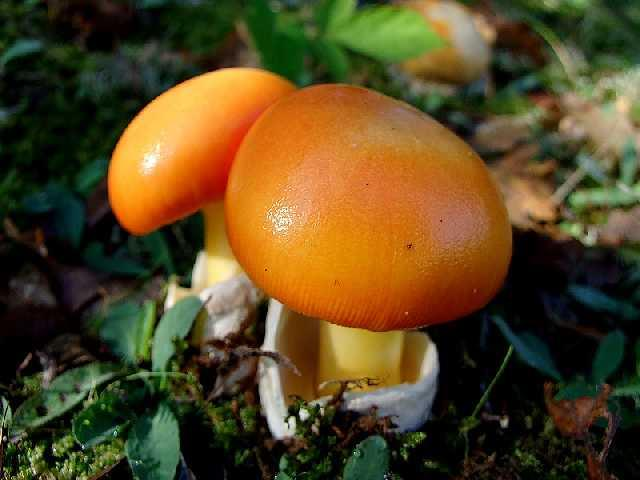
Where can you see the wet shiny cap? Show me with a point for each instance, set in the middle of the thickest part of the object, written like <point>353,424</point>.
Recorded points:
<point>176,153</point>
<point>353,207</point>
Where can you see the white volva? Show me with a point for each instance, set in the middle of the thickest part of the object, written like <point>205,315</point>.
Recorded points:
<point>297,337</point>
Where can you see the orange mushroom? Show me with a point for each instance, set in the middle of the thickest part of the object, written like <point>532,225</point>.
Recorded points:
<point>355,208</point>
<point>468,52</point>
<point>174,157</point>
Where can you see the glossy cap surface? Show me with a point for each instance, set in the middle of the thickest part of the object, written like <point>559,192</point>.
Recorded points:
<point>349,206</point>
<point>176,153</point>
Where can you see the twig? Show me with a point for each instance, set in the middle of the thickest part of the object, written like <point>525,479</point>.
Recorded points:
<point>568,186</point>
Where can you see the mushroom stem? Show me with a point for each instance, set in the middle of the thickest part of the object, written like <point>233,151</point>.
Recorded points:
<point>221,263</point>
<point>353,353</point>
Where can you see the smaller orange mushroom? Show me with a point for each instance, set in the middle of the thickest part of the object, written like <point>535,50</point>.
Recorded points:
<point>468,52</point>
<point>355,208</point>
<point>174,157</point>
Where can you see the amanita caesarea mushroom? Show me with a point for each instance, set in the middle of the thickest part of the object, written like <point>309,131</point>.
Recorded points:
<point>354,208</point>
<point>468,53</point>
<point>174,157</point>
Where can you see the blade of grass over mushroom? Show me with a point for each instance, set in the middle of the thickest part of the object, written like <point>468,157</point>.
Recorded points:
<point>64,393</point>
<point>608,357</point>
<point>388,34</point>
<point>174,325</point>
<point>531,349</point>
<point>153,445</point>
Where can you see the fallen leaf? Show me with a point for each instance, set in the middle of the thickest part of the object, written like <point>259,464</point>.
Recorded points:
<point>501,133</point>
<point>519,38</point>
<point>596,470</point>
<point>608,131</point>
<point>623,226</point>
<point>573,418</point>
<point>526,187</point>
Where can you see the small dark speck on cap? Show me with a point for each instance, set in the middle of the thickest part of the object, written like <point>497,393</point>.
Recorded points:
<point>409,246</point>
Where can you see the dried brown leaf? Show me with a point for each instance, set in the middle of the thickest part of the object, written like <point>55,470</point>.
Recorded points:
<point>573,418</point>
<point>501,133</point>
<point>623,226</point>
<point>606,131</point>
<point>526,187</point>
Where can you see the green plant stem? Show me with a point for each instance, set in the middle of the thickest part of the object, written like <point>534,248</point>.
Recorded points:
<point>143,375</point>
<point>487,392</point>
<point>471,422</point>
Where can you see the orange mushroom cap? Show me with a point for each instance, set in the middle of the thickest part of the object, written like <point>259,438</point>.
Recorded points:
<point>350,206</point>
<point>176,153</point>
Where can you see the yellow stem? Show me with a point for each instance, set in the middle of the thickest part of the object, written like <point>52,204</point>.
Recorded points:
<point>221,264</point>
<point>352,353</point>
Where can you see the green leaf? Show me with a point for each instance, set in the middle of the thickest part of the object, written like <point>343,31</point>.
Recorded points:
<point>146,331</point>
<point>64,393</point>
<point>157,246</point>
<point>174,325</point>
<point>600,302</point>
<point>120,263</point>
<point>334,58</point>
<point>531,350</point>
<point>631,389</point>
<point>637,352</point>
<point>90,175</point>
<point>153,445</point>
<point>629,163</point>
<point>577,389</point>
<point>126,329</point>
<point>112,412</point>
<point>21,48</point>
<point>6,415</point>
<point>388,34</point>
<point>608,357</point>
<point>283,465</point>
<point>592,167</point>
<point>67,212</point>
<point>280,42</point>
<point>369,460</point>
<point>330,14</point>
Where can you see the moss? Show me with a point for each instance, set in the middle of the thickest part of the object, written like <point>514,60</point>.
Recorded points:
<point>236,426</point>
<point>58,457</point>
